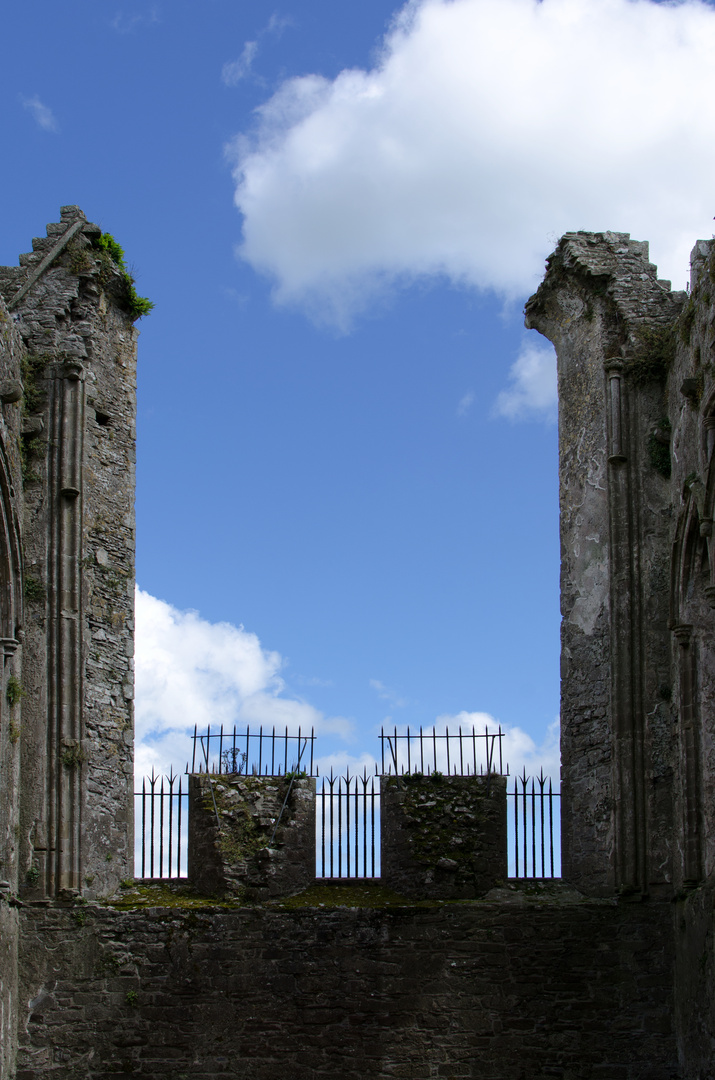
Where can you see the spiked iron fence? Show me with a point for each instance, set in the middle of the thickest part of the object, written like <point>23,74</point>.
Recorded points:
<point>348,826</point>
<point>348,807</point>
<point>461,753</point>
<point>161,814</point>
<point>252,753</point>
<point>534,828</point>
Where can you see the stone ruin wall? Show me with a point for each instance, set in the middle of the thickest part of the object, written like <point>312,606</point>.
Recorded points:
<point>77,416</point>
<point>509,982</point>
<point>67,438</point>
<point>636,372</point>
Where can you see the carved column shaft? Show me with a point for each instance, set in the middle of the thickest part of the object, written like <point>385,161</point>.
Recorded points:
<point>626,713</point>
<point>64,676</point>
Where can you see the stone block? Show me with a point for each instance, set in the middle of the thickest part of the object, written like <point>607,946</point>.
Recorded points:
<point>252,837</point>
<point>443,837</point>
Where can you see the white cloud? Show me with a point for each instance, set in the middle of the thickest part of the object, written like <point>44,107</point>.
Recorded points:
<point>465,403</point>
<point>532,393</point>
<point>126,24</point>
<point>386,694</point>
<point>190,671</point>
<point>233,72</point>
<point>485,126</point>
<point>278,23</point>
<point>43,115</point>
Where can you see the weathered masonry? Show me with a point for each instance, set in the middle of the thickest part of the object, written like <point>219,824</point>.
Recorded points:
<point>607,973</point>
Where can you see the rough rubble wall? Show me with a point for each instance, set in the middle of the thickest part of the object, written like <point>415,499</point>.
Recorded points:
<point>264,846</point>
<point>76,812</point>
<point>610,320</point>
<point>501,990</point>
<point>443,837</point>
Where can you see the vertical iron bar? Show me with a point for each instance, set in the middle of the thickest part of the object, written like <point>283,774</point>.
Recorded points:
<point>144,827</point>
<point>260,748</point>
<point>171,817</point>
<point>332,821</point>
<point>461,759</point>
<point>372,824</point>
<point>526,822</point>
<point>516,823</point>
<point>322,829</point>
<point>161,829</point>
<point>193,758</point>
<point>273,751</point>
<point>434,747</point>
<point>474,748</point>
<point>340,826</point>
<point>347,821</point>
<point>533,829</point>
<point>151,852</point>
<point>446,732</point>
<point>178,837</point>
<point>365,823</point>
<point>542,780</point>
<point>551,829</point>
<point>409,767</point>
<point>357,828</point>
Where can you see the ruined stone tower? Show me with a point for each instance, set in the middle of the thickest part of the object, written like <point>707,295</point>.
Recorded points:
<point>637,484</point>
<point>67,435</point>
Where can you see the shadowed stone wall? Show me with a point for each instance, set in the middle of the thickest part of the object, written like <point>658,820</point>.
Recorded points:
<point>525,986</point>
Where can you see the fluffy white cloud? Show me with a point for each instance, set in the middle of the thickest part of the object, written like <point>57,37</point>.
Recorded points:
<point>532,390</point>
<point>486,127</point>
<point>43,115</point>
<point>190,671</point>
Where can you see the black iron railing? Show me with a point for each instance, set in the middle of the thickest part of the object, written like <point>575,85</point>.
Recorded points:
<point>534,827</point>
<point>256,753</point>
<point>161,814</point>
<point>459,753</point>
<point>347,817</point>
<point>348,807</point>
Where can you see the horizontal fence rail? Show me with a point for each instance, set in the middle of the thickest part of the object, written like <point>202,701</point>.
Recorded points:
<point>252,753</point>
<point>347,818</point>
<point>161,814</point>
<point>534,828</point>
<point>461,753</point>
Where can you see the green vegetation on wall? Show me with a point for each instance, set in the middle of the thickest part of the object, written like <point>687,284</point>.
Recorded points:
<point>113,254</point>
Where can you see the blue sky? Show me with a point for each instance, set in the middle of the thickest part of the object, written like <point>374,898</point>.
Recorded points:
<point>346,441</point>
